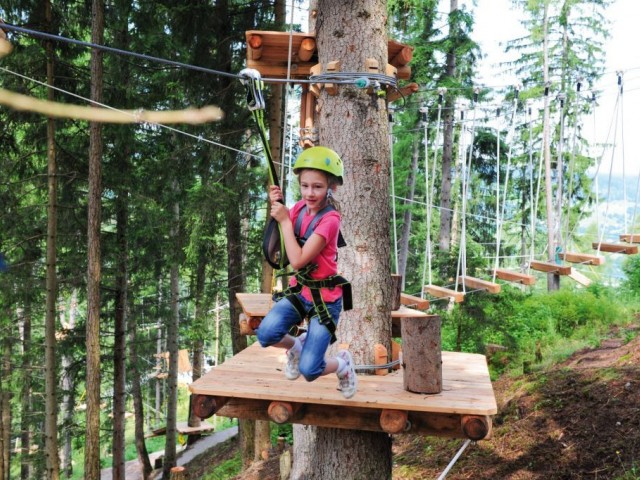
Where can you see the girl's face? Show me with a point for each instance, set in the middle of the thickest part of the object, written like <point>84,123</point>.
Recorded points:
<point>313,188</point>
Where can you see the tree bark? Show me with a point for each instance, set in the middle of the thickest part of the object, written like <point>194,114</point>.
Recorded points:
<point>354,124</point>
<point>92,435</point>
<point>68,388</point>
<point>553,280</point>
<point>406,223</point>
<point>25,395</point>
<point>446,211</point>
<point>51,404</point>
<point>120,327</point>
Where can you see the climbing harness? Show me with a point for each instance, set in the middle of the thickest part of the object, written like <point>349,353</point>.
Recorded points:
<point>304,279</point>
<point>272,240</point>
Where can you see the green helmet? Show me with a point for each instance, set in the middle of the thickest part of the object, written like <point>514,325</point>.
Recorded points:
<point>320,158</point>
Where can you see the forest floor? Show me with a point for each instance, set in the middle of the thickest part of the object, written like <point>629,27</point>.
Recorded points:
<point>579,419</point>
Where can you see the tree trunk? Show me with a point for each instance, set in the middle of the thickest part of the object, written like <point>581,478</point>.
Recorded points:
<point>92,436</point>
<point>120,327</point>
<point>553,280</point>
<point>200,316</point>
<point>25,395</point>
<point>172,346</point>
<point>406,223</point>
<point>51,404</point>
<point>68,389</point>
<point>354,124</point>
<point>446,213</point>
<point>5,408</point>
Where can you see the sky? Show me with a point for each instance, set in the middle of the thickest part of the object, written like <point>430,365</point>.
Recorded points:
<point>497,22</point>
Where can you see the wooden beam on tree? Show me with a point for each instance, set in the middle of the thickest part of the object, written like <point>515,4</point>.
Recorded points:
<point>582,258</point>
<point>442,292</point>
<point>615,248</point>
<point>480,284</point>
<point>550,267</point>
<point>516,277</point>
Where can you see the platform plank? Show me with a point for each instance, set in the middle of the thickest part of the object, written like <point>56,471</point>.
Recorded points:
<point>550,267</point>
<point>517,277</point>
<point>412,301</point>
<point>257,373</point>
<point>630,237</point>
<point>623,248</point>
<point>582,258</point>
<point>480,284</point>
<point>442,292</point>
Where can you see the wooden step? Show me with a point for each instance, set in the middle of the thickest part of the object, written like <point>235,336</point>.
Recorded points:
<point>630,237</point>
<point>550,267</point>
<point>582,258</point>
<point>414,302</point>
<point>442,292</point>
<point>624,248</point>
<point>580,278</point>
<point>515,277</point>
<point>479,284</point>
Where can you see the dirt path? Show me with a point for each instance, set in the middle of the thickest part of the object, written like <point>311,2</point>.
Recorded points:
<point>132,468</point>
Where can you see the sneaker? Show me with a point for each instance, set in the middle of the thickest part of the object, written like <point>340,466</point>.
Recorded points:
<point>347,380</point>
<point>292,369</point>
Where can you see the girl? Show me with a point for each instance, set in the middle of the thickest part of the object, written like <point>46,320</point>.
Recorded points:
<point>316,290</point>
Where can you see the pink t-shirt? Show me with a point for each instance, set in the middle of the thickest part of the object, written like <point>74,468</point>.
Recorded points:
<point>328,228</point>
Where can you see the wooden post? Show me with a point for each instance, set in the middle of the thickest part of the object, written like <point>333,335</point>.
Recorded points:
<point>307,47</point>
<point>255,47</point>
<point>396,291</point>
<point>422,354</point>
<point>380,354</point>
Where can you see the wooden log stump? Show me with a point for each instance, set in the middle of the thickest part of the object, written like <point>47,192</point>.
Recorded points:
<point>178,473</point>
<point>422,354</point>
<point>476,427</point>
<point>394,421</point>
<point>396,291</point>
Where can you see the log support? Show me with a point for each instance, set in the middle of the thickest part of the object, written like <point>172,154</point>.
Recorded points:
<point>476,427</point>
<point>204,406</point>
<point>283,412</point>
<point>395,421</point>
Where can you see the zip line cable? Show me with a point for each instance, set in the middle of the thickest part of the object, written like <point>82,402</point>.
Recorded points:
<point>172,129</point>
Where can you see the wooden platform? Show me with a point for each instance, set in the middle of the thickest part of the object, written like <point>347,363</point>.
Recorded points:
<point>253,381</point>
<point>183,428</point>
<point>255,307</point>
<point>268,52</point>
<point>515,277</point>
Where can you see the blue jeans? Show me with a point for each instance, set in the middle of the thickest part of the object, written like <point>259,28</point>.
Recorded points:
<point>283,316</point>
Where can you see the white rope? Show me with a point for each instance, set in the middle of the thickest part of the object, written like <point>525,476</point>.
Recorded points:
<point>453,461</point>
<point>624,171</point>
<point>426,266</point>
<point>559,181</point>
<point>501,213</point>
<point>285,122</point>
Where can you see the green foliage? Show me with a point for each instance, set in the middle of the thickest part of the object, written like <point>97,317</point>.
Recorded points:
<point>227,469</point>
<point>532,325</point>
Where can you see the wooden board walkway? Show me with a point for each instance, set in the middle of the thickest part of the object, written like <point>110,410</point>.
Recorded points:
<point>247,385</point>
